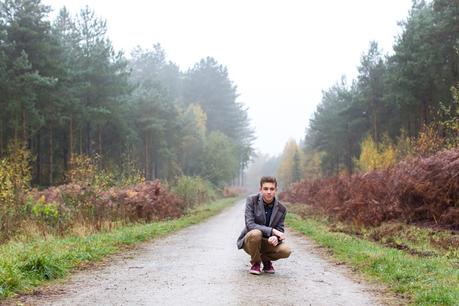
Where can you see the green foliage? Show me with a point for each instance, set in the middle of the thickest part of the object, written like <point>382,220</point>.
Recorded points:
<point>395,95</point>
<point>47,213</point>
<point>65,91</point>
<point>41,267</point>
<point>219,163</point>
<point>194,191</point>
<point>336,129</point>
<point>449,114</point>
<point>194,121</point>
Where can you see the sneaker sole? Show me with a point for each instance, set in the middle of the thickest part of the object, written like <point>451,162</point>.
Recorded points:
<point>254,272</point>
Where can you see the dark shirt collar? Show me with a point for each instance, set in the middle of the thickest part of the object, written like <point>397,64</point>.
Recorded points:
<point>270,204</point>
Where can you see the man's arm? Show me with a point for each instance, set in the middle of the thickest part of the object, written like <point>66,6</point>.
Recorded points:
<point>278,229</point>
<point>250,219</point>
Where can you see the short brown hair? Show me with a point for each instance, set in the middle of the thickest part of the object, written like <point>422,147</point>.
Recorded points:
<point>268,179</point>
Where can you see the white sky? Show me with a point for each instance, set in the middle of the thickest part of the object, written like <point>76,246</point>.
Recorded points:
<point>280,54</point>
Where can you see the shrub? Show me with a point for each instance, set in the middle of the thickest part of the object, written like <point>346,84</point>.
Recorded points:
<point>376,156</point>
<point>416,190</point>
<point>233,191</point>
<point>15,180</point>
<point>84,171</point>
<point>194,190</point>
<point>46,213</point>
<point>429,141</point>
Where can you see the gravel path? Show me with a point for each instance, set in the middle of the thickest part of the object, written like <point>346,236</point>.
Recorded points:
<point>201,265</point>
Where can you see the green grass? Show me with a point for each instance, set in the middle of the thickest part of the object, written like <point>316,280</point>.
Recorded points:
<point>430,280</point>
<point>25,265</point>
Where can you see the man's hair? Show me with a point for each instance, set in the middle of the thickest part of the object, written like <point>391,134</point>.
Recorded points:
<point>268,179</point>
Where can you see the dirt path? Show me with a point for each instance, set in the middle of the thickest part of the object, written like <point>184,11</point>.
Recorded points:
<point>201,265</point>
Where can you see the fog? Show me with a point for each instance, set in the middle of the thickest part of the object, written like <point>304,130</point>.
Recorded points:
<point>281,55</point>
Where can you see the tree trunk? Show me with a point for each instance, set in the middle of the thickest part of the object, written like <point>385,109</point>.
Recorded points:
<point>146,168</point>
<point>81,141</point>
<point>100,140</point>
<point>156,168</point>
<point>88,138</point>
<point>24,127</point>
<point>70,139</point>
<point>426,107</point>
<point>65,150</point>
<point>51,155</point>
<point>38,162</point>
<point>2,145</point>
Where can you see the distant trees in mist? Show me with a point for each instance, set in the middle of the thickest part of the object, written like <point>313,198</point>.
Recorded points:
<point>64,90</point>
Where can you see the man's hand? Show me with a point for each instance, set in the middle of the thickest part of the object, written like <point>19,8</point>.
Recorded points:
<point>279,234</point>
<point>273,240</point>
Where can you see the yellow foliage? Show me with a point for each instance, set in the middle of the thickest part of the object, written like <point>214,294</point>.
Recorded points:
<point>19,159</point>
<point>200,119</point>
<point>404,145</point>
<point>291,167</point>
<point>387,153</point>
<point>15,180</point>
<point>84,171</point>
<point>7,193</point>
<point>312,164</point>
<point>369,156</point>
<point>428,141</point>
<point>374,156</point>
<point>131,194</point>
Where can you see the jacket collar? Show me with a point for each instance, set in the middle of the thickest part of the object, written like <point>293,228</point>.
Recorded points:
<point>275,208</point>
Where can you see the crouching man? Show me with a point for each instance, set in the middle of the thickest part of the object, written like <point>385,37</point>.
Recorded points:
<point>263,236</point>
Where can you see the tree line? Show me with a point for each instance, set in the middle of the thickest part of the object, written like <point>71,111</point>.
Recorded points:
<point>65,91</point>
<point>399,105</point>
<point>394,97</point>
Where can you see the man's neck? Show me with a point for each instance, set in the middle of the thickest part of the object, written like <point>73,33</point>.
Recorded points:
<point>270,203</point>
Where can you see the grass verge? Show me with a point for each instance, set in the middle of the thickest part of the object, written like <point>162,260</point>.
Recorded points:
<point>25,265</point>
<point>422,280</point>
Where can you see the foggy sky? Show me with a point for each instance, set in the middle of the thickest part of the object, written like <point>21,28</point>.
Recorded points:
<point>280,54</point>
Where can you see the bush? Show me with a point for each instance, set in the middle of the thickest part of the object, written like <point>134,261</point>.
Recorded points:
<point>15,180</point>
<point>234,191</point>
<point>375,156</point>
<point>416,190</point>
<point>194,190</point>
<point>72,203</point>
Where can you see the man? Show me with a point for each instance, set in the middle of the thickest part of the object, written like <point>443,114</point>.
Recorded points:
<point>263,236</point>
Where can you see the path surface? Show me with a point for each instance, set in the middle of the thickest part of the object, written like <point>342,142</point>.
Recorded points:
<point>202,266</point>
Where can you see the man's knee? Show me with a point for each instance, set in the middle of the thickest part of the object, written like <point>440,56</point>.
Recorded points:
<point>284,251</point>
<point>254,236</point>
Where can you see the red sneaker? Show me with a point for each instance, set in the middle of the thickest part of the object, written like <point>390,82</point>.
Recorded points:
<point>268,267</point>
<point>255,269</point>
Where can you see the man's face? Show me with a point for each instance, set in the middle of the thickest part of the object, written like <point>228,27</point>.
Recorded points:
<point>268,191</point>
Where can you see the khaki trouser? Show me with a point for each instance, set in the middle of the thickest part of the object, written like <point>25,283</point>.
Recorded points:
<point>260,250</point>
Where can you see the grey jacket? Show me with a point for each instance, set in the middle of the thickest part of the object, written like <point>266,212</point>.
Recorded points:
<point>255,218</point>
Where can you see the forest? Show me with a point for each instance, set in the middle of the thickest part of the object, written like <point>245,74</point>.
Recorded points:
<point>100,150</point>
<point>401,104</point>
<point>75,110</point>
<point>65,92</point>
